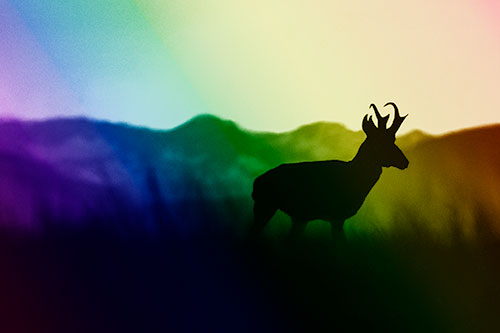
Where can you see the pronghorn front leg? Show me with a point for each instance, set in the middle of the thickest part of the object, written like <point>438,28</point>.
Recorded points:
<point>297,230</point>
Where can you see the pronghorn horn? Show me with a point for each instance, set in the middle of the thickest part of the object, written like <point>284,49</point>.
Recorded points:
<point>398,120</point>
<point>368,126</point>
<point>382,121</point>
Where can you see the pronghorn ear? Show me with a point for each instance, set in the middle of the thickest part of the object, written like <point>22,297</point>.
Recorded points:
<point>368,126</point>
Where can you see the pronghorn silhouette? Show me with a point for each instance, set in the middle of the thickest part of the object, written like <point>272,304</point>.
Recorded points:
<point>329,190</point>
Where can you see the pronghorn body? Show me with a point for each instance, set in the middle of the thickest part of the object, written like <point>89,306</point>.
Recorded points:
<point>328,190</point>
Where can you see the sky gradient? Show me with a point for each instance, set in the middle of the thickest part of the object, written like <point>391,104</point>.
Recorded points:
<point>268,65</point>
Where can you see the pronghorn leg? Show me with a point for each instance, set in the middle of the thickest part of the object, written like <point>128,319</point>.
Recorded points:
<point>338,235</point>
<point>262,213</point>
<point>297,231</point>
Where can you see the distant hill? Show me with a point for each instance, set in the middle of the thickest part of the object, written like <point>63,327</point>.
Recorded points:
<point>205,146</point>
<point>208,159</point>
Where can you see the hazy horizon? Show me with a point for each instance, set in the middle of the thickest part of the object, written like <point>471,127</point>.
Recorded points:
<point>240,126</point>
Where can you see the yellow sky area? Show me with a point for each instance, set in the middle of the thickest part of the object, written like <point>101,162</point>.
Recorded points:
<point>275,65</point>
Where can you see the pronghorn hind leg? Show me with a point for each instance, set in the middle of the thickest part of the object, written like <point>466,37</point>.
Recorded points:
<point>338,235</point>
<point>297,230</point>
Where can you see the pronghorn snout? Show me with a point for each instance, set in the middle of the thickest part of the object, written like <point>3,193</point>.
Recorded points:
<point>403,164</point>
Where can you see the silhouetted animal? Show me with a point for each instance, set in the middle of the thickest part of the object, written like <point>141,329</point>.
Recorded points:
<point>329,190</point>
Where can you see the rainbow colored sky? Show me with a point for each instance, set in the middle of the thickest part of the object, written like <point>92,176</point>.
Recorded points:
<point>269,65</point>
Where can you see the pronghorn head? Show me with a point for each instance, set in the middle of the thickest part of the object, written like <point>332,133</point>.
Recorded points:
<point>380,141</point>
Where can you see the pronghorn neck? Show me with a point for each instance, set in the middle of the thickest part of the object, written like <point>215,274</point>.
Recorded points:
<point>366,162</point>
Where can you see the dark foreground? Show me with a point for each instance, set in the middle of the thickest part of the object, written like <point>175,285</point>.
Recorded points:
<point>96,280</point>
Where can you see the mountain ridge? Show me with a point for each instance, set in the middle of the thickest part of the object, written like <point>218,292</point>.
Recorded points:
<point>205,119</point>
